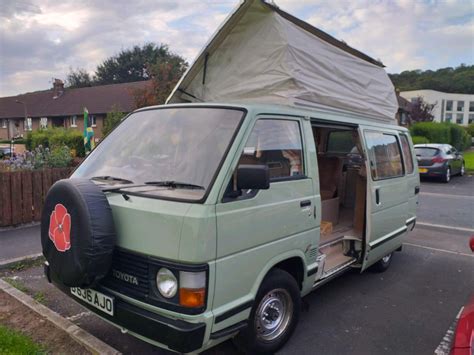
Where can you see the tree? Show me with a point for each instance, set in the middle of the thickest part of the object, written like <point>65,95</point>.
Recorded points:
<point>135,64</point>
<point>421,111</point>
<point>112,120</point>
<point>165,74</point>
<point>455,80</point>
<point>79,78</point>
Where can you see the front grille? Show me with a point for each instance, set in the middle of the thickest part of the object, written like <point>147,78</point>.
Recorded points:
<point>128,275</point>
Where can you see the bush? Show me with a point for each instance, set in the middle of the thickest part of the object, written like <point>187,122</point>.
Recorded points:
<point>60,157</point>
<point>470,129</point>
<point>112,120</point>
<point>419,140</point>
<point>433,131</point>
<point>39,158</point>
<point>56,137</point>
<point>448,133</point>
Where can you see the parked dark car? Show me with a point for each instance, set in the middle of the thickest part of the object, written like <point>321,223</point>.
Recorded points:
<point>5,152</point>
<point>439,160</point>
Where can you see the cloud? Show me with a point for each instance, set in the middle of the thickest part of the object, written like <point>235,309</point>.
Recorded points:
<point>42,39</point>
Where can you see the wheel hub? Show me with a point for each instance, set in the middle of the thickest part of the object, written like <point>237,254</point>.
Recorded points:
<point>273,314</point>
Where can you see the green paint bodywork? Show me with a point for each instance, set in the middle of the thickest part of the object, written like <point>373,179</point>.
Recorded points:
<point>242,240</point>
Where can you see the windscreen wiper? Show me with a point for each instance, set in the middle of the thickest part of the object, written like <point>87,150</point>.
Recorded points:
<point>112,178</point>
<point>175,184</point>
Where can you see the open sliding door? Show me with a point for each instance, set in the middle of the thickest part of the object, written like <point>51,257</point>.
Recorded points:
<point>387,200</point>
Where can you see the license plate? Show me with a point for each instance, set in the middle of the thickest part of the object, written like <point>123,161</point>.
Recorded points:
<point>94,298</point>
<point>423,170</point>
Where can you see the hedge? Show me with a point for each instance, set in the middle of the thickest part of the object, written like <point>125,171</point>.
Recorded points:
<point>448,133</point>
<point>56,137</point>
<point>419,140</point>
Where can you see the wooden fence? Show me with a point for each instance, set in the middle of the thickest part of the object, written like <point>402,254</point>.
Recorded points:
<point>22,194</point>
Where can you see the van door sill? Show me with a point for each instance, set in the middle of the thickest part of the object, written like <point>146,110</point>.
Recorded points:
<point>330,274</point>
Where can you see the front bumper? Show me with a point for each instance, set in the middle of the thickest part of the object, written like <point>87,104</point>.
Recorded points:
<point>178,335</point>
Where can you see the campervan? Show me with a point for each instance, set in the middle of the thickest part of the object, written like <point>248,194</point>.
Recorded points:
<point>210,217</point>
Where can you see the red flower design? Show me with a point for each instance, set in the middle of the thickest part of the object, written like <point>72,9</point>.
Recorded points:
<point>60,228</point>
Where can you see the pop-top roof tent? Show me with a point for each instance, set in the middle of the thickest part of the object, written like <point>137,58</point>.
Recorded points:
<point>261,54</point>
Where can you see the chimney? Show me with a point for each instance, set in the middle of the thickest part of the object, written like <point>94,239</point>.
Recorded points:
<point>58,88</point>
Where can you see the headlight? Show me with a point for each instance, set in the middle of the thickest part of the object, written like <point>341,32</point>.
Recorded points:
<point>166,283</point>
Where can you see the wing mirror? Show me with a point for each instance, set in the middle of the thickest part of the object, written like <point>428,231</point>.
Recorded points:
<point>471,243</point>
<point>253,177</point>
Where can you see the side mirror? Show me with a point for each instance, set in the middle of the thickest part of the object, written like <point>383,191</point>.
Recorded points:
<point>471,243</point>
<point>253,177</point>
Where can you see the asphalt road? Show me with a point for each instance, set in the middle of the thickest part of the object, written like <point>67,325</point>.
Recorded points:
<point>406,310</point>
<point>449,204</point>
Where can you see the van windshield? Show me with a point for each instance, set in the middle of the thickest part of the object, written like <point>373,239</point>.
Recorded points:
<point>171,152</point>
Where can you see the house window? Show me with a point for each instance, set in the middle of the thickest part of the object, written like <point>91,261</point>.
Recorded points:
<point>28,124</point>
<point>4,123</point>
<point>384,155</point>
<point>460,106</point>
<point>73,121</point>
<point>471,106</point>
<point>471,118</point>
<point>44,122</point>
<point>449,105</point>
<point>448,117</point>
<point>93,123</point>
<point>459,118</point>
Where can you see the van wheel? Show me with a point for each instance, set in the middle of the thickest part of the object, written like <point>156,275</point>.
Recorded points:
<point>383,264</point>
<point>274,315</point>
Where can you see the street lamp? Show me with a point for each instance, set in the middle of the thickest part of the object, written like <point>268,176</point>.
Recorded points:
<point>26,119</point>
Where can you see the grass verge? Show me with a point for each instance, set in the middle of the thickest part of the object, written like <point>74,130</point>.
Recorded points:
<point>12,342</point>
<point>469,161</point>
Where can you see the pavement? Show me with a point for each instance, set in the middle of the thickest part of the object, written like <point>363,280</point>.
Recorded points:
<point>19,242</point>
<point>406,310</point>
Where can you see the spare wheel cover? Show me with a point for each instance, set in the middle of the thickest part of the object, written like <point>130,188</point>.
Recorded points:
<point>77,232</point>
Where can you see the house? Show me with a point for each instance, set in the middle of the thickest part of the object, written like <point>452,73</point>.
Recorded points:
<point>449,107</point>
<point>64,107</point>
<point>404,111</point>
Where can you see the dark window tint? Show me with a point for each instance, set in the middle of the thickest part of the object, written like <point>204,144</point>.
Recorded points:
<point>277,144</point>
<point>384,154</point>
<point>408,157</point>
<point>426,152</point>
<point>449,105</point>
<point>340,142</point>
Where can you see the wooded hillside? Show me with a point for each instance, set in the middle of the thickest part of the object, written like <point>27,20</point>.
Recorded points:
<point>458,80</point>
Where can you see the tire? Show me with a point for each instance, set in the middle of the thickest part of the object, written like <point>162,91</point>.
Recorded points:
<point>463,170</point>
<point>77,233</point>
<point>278,292</point>
<point>383,264</point>
<point>447,175</point>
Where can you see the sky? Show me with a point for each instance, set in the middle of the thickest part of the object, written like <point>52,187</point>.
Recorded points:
<point>44,39</point>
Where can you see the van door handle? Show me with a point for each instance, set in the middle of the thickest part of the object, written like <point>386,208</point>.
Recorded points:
<point>377,196</point>
<point>417,190</point>
<point>305,203</point>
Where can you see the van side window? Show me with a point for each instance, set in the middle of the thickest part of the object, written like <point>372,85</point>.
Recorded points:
<point>384,155</point>
<point>408,157</point>
<point>277,144</point>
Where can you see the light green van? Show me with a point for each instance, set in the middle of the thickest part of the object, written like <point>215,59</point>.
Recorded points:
<point>226,215</point>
